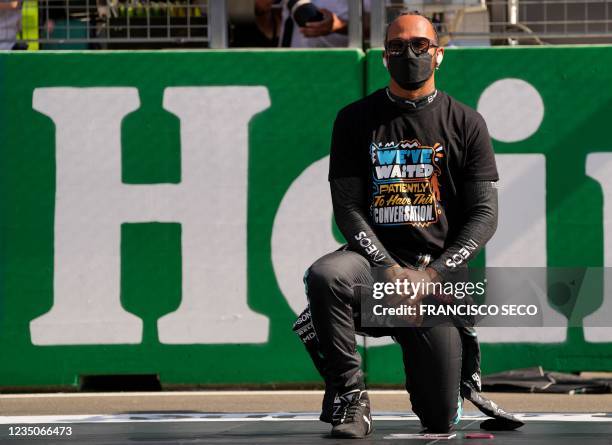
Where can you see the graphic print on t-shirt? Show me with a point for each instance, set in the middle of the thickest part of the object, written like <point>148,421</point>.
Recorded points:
<point>406,187</point>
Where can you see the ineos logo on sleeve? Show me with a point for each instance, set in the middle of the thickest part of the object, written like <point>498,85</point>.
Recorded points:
<point>462,255</point>
<point>369,247</point>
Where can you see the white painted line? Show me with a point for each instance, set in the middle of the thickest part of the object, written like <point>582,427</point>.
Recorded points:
<point>157,394</point>
<point>421,436</point>
<point>469,424</point>
<point>132,394</point>
<point>277,417</point>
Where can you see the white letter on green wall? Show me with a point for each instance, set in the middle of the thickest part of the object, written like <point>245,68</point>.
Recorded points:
<point>92,203</point>
<point>597,325</point>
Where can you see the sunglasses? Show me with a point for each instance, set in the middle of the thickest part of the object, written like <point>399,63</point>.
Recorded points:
<point>419,45</point>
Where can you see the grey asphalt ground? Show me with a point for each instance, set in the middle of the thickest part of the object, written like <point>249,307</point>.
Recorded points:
<point>146,424</point>
<point>314,433</point>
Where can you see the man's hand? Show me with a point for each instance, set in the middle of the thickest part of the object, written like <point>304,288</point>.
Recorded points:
<point>330,23</point>
<point>419,278</point>
<point>412,286</point>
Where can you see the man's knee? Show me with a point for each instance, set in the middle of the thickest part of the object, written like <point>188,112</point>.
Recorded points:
<point>317,281</point>
<point>439,427</point>
<point>439,424</point>
<point>333,270</point>
<point>319,274</point>
<point>442,416</point>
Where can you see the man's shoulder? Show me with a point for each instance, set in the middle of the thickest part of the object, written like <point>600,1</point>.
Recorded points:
<point>360,105</point>
<point>462,110</point>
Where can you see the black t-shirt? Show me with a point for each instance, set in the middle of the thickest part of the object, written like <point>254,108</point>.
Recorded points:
<point>414,161</point>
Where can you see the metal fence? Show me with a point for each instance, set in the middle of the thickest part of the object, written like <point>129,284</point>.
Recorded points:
<point>70,24</point>
<point>564,19</point>
<point>108,24</point>
<point>487,22</point>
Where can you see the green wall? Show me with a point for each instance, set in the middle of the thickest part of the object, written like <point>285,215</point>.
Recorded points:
<point>306,89</point>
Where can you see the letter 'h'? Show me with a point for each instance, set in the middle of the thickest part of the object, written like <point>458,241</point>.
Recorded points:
<point>91,204</point>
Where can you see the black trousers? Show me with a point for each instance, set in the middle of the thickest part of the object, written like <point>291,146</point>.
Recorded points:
<point>432,356</point>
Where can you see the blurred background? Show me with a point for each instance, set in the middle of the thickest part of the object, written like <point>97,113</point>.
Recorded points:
<point>142,24</point>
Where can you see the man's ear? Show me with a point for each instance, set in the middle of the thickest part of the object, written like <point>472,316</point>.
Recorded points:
<point>384,60</point>
<point>439,57</point>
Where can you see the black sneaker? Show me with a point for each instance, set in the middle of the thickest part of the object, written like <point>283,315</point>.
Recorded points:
<point>352,418</point>
<point>330,400</point>
<point>501,420</point>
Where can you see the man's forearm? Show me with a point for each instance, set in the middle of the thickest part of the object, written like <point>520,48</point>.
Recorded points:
<point>347,198</point>
<point>480,205</point>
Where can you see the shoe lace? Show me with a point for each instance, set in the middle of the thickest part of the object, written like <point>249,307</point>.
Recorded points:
<point>352,410</point>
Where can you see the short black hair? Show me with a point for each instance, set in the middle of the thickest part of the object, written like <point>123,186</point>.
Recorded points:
<point>412,12</point>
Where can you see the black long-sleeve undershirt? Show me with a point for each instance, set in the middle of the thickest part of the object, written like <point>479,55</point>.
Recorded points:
<point>479,202</point>
<point>348,198</point>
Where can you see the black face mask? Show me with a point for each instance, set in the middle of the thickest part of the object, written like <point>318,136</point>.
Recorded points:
<point>410,71</point>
